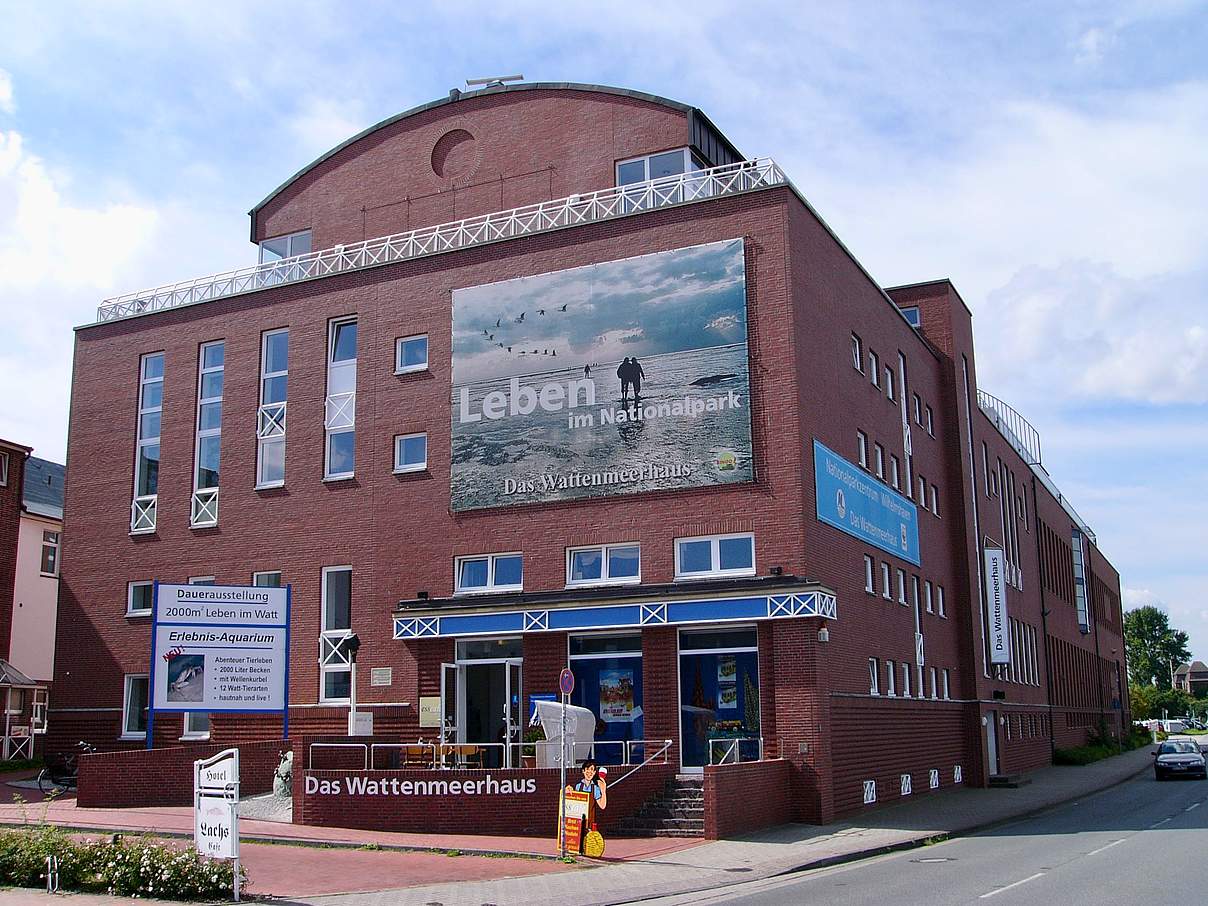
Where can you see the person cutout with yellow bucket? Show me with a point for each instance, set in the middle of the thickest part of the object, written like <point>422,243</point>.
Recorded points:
<point>592,792</point>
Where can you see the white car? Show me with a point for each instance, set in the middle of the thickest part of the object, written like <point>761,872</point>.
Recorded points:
<point>1179,758</point>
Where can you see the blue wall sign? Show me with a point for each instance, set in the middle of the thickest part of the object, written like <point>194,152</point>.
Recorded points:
<point>854,502</point>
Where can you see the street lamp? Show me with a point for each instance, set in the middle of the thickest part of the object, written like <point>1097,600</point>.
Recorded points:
<point>351,644</point>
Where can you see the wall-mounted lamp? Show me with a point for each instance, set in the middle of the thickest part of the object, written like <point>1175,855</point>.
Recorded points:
<point>777,570</point>
<point>421,596</point>
<point>823,635</point>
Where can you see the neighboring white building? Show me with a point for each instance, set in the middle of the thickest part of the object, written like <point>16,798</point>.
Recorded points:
<point>36,585</point>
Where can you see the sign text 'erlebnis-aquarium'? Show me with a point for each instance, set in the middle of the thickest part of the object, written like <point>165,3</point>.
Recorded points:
<point>613,378</point>
<point>220,648</point>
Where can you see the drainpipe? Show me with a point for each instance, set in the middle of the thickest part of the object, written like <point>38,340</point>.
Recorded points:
<point>1044,623</point>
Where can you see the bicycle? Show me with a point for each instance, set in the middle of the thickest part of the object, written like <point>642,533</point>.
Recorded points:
<point>64,773</point>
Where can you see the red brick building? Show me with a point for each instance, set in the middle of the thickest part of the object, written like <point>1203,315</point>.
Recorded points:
<point>479,535</point>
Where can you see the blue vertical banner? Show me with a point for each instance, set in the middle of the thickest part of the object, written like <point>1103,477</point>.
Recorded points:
<point>854,502</point>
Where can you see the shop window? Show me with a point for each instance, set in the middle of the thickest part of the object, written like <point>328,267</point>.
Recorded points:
<point>719,697</point>
<point>715,555</point>
<point>139,598</point>
<point>134,706</point>
<point>491,572</point>
<point>608,682</point>
<point>490,649</point>
<point>50,553</point>
<point>603,565</point>
<point>411,453</point>
<point>268,579</point>
<point>411,354</point>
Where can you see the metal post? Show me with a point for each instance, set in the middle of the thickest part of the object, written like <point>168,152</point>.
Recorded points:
<point>562,787</point>
<point>352,698</point>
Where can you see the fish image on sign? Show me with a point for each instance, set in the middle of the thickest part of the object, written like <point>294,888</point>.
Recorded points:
<point>612,378</point>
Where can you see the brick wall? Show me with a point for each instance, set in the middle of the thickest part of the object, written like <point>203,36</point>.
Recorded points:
<point>10,529</point>
<point>146,777</point>
<point>740,798</point>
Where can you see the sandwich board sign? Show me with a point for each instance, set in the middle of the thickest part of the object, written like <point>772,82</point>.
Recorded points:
<point>216,808</point>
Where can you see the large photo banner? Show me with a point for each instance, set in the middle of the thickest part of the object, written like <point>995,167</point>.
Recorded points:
<point>613,378</point>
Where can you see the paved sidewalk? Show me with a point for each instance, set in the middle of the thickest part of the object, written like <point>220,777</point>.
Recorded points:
<point>783,849</point>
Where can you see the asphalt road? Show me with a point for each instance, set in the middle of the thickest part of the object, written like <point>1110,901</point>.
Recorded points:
<point>1140,842</point>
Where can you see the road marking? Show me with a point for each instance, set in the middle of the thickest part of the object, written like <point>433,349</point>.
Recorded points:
<point>1038,874</point>
<point>1158,824</point>
<point>1193,805</point>
<point>1109,846</point>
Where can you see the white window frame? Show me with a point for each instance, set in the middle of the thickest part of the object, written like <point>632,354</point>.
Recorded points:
<point>930,421</point>
<point>857,352</point>
<point>874,368</point>
<point>947,687</point>
<point>201,580</point>
<point>291,239</point>
<point>271,418</point>
<point>935,501</point>
<point>339,415</point>
<point>143,510</point>
<point>130,611</point>
<point>934,691</point>
<point>267,572</point>
<point>927,595</point>
<point>490,587</point>
<point>402,469</point>
<point>399,367</point>
<point>192,734</point>
<point>902,587</point>
<point>874,676</point>
<point>329,639</point>
<point>895,472</point>
<point>127,679</point>
<point>890,679</point>
<point>4,463</point>
<point>879,460</point>
<point>691,164</point>
<point>886,582</point>
<point>715,557</point>
<point>57,544</point>
<point>918,410</point>
<point>923,491</point>
<point>914,591</point>
<point>905,680</point>
<point>604,579</point>
<point>939,601</point>
<point>203,512</point>
<point>862,448</point>
<point>870,583</point>
<point>890,384</point>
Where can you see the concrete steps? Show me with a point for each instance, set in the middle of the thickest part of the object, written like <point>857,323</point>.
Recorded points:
<point>678,811</point>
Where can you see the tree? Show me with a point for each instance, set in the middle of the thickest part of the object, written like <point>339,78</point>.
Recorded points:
<point>1151,646</point>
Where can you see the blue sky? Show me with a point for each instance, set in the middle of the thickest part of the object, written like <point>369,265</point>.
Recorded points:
<point>1049,158</point>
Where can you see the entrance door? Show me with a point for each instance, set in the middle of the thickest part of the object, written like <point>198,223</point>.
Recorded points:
<point>719,697</point>
<point>992,741</point>
<point>449,717</point>
<point>513,719</point>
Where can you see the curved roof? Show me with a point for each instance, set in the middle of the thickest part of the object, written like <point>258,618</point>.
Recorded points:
<point>455,95</point>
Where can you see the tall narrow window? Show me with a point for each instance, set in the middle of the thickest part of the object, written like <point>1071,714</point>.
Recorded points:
<point>906,680</point>
<point>874,676</point>
<point>890,680</point>
<point>901,586</point>
<point>947,688</point>
<point>862,448</point>
<point>928,596</point>
<point>207,453</point>
<point>270,421</point>
<point>886,584</point>
<point>50,553</point>
<point>340,419</point>
<point>930,421</point>
<point>1076,543</point>
<point>134,706</point>
<point>869,582</point>
<point>874,368</point>
<point>335,661</point>
<point>890,390</point>
<point>857,352</point>
<point>146,456</point>
<point>879,460</point>
<point>895,477</point>
<point>939,601</point>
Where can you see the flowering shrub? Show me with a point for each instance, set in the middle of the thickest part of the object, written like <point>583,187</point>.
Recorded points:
<point>115,866</point>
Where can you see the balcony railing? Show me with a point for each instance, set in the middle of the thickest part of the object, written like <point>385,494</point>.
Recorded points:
<point>1014,427</point>
<point>204,512</point>
<point>544,217</point>
<point>142,514</point>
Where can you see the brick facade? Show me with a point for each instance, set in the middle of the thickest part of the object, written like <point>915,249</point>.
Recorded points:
<point>10,529</point>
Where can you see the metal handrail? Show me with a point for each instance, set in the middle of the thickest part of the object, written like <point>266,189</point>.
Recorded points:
<point>1014,427</point>
<point>542,217</point>
<point>402,745</point>
<point>662,750</point>
<point>310,752</point>
<point>732,748</point>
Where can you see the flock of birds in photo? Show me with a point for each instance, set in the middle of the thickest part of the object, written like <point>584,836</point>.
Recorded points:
<point>541,312</point>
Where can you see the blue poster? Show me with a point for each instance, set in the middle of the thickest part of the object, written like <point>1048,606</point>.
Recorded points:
<point>854,502</point>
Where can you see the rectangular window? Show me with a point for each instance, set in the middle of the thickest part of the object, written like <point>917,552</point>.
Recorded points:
<point>657,166</point>
<point>874,676</point>
<point>879,460</point>
<point>489,572</point>
<point>197,725</point>
<point>146,455</point>
<point>889,384</point>
<point>874,368</point>
<point>894,472</point>
<point>270,426</point>
<point>339,458</point>
<point>870,585</point>
<point>939,600</point>
<point>201,580</point>
<point>604,565</point>
<point>3,470</point>
<point>906,680</point>
<point>890,679</point>
<point>857,353</point>
<point>50,553</point>
<point>914,591</point>
<point>862,448</point>
<point>139,598</point>
<point>411,452</point>
<point>986,468</point>
<point>1076,543</point>
<point>930,421</point>
<point>285,247</point>
<point>715,555</point>
<point>947,687</point>
<point>411,354</point>
<point>335,665</point>
<point>134,706</point>
<point>207,450</point>
<point>901,586</point>
<point>886,584</point>
<point>269,579</point>
<point>935,500</point>
<point>918,410</point>
<point>927,595</point>
<point>922,491</point>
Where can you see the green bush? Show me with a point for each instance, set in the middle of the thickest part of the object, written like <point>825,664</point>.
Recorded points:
<point>116,866</point>
<point>1101,744</point>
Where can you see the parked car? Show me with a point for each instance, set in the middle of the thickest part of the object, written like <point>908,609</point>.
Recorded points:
<point>1173,726</point>
<point>1179,758</point>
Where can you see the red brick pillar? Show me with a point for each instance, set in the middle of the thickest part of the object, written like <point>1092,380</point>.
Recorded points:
<point>802,715</point>
<point>544,658</point>
<point>767,691</point>
<point>660,689</point>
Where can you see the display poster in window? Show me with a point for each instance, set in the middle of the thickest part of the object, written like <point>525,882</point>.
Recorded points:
<point>613,378</point>
<point>727,682</point>
<point>616,696</point>
<point>219,648</point>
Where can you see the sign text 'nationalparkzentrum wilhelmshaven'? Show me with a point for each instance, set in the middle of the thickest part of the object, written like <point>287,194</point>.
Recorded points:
<point>613,378</point>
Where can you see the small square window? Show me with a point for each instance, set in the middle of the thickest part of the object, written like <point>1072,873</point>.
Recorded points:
<point>197,725</point>
<point>139,598</point>
<point>134,706</point>
<point>411,453</point>
<point>411,354</point>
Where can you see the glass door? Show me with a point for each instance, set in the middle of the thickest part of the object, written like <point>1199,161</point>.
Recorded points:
<point>513,716</point>
<point>719,697</point>
<point>450,720</point>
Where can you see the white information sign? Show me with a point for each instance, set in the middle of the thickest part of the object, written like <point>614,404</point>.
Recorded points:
<point>220,648</point>
<point>996,606</point>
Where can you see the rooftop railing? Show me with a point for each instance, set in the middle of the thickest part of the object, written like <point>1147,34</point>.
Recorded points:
<point>543,217</point>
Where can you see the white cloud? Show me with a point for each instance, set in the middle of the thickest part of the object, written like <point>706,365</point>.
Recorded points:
<point>1091,46</point>
<point>322,123</point>
<point>7,103</point>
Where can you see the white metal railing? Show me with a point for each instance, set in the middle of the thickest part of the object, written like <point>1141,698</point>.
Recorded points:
<point>543,217</point>
<point>204,510</point>
<point>142,514</point>
<point>732,750</point>
<point>1014,427</point>
<point>270,421</point>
